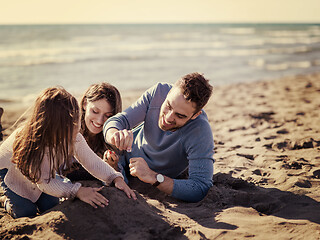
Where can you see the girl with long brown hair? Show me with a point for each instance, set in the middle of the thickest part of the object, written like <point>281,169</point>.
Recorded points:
<point>32,156</point>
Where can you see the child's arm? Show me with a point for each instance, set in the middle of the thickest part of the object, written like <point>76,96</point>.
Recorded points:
<point>92,163</point>
<point>55,186</point>
<point>99,168</point>
<point>59,188</point>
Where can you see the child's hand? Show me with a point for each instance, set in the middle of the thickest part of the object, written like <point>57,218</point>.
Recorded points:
<point>92,196</point>
<point>120,184</point>
<point>111,158</point>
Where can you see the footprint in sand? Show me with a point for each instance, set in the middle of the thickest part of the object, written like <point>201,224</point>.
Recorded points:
<point>293,165</point>
<point>299,164</point>
<point>309,85</point>
<point>303,183</point>
<point>306,143</point>
<point>287,144</point>
<point>316,174</point>
<point>270,137</point>
<point>300,113</point>
<point>267,116</point>
<point>259,172</point>
<point>248,156</point>
<point>283,131</point>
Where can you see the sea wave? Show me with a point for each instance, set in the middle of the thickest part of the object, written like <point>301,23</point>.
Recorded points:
<point>280,66</point>
<point>32,62</point>
<point>256,51</point>
<point>238,31</point>
<point>250,42</point>
<point>315,31</point>
<point>96,39</point>
<point>164,53</point>
<point>300,40</point>
<point>73,60</point>
<point>41,52</point>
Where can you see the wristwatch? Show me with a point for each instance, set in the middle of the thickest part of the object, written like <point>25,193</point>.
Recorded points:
<point>160,179</point>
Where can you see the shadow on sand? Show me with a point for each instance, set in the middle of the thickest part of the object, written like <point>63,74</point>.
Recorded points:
<point>230,192</point>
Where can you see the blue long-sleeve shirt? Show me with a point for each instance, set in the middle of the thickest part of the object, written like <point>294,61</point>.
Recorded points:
<point>166,152</point>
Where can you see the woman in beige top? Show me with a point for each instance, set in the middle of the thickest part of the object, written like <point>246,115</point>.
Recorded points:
<point>32,156</point>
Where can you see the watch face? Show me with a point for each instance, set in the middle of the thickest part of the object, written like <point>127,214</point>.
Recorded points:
<point>160,178</point>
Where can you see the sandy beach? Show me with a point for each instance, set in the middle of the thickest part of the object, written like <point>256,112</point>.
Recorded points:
<point>266,181</point>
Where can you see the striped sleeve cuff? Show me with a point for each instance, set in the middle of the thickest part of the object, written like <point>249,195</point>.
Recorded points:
<point>74,190</point>
<point>112,177</point>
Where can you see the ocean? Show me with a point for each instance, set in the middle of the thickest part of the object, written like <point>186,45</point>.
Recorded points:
<point>136,56</point>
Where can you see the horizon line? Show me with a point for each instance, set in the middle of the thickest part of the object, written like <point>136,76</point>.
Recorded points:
<point>158,23</point>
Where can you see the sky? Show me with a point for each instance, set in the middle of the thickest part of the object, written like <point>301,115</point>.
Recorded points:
<point>158,11</point>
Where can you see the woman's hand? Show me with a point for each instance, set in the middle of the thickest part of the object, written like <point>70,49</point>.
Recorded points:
<point>111,158</point>
<point>92,196</point>
<point>121,184</point>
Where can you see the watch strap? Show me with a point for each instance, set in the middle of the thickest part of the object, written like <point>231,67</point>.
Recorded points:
<point>156,184</point>
<point>159,179</point>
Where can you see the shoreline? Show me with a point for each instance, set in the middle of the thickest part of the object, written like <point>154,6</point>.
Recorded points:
<point>266,176</point>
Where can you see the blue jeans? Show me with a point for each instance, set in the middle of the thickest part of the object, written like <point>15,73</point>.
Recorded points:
<point>18,206</point>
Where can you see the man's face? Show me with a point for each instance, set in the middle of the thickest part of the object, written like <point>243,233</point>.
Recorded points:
<point>176,111</point>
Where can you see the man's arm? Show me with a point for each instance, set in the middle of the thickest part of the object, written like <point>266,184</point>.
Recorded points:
<point>133,115</point>
<point>139,168</point>
<point>193,189</point>
<point>196,187</point>
<point>198,143</point>
<point>128,119</point>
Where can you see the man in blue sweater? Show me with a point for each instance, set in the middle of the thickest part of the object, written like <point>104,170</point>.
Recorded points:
<point>164,133</point>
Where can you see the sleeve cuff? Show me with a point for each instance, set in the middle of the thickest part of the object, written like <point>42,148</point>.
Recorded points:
<point>74,190</point>
<point>112,177</point>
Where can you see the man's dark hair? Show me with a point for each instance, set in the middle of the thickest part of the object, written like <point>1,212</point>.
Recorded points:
<point>195,88</point>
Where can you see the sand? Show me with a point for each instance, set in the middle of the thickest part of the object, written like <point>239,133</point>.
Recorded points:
<point>266,181</point>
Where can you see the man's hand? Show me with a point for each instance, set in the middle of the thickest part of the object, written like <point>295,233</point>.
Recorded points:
<point>139,168</point>
<point>121,139</point>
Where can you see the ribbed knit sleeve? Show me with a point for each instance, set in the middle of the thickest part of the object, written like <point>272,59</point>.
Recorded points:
<point>55,186</point>
<point>92,163</point>
<point>59,188</point>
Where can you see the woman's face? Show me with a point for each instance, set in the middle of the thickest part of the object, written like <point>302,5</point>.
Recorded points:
<point>96,113</point>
